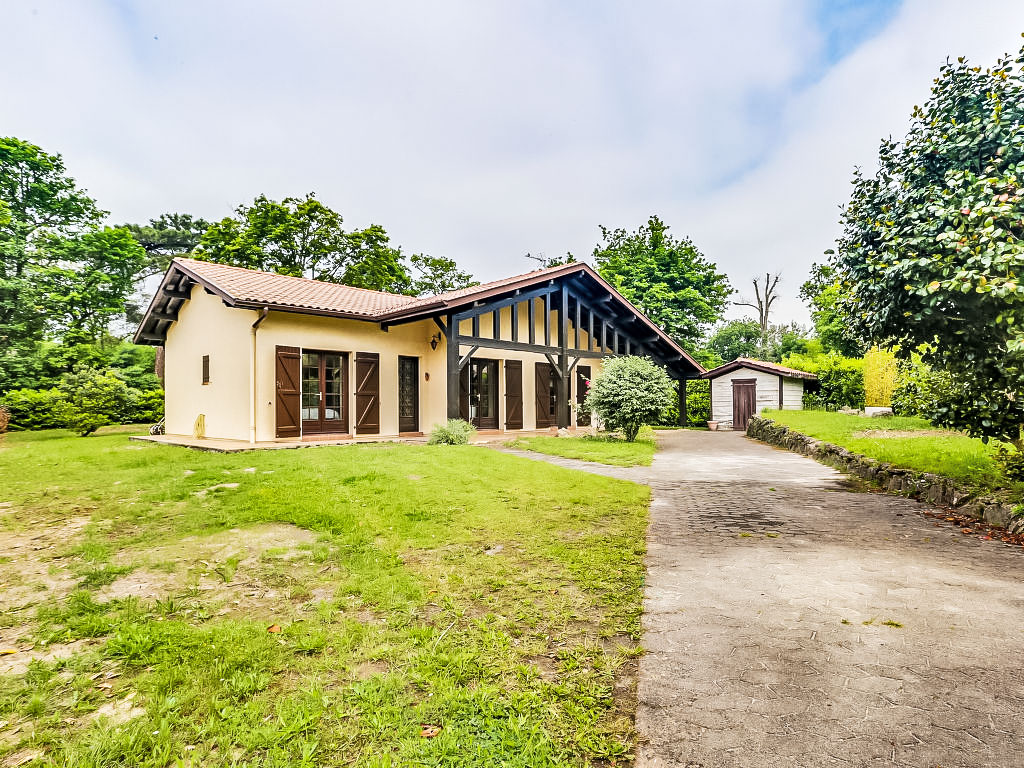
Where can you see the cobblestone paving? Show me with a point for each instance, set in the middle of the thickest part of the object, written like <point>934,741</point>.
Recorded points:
<point>790,621</point>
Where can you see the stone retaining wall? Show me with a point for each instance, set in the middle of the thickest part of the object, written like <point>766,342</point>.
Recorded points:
<point>934,489</point>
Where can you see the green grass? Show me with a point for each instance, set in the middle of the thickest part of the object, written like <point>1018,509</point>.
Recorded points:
<point>950,454</point>
<point>603,448</point>
<point>399,610</point>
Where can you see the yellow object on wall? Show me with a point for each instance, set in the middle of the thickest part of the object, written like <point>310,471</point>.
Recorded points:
<point>879,377</point>
<point>199,428</point>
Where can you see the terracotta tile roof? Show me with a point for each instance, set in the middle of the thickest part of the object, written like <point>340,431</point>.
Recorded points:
<point>249,286</point>
<point>463,293</point>
<point>757,365</point>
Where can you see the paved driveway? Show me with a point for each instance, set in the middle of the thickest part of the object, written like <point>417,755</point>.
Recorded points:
<point>792,622</point>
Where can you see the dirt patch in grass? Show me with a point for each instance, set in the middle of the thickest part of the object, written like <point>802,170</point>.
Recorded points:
<point>31,568</point>
<point>245,571</point>
<point>896,433</point>
<point>18,663</point>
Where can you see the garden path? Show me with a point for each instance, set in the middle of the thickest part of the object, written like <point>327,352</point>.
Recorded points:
<point>792,621</point>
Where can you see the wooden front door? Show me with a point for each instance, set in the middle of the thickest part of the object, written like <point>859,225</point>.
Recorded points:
<point>545,394</point>
<point>288,374</point>
<point>408,394</point>
<point>744,401</point>
<point>367,393</point>
<point>513,394</point>
<point>483,393</point>
<point>324,393</point>
<point>582,384</point>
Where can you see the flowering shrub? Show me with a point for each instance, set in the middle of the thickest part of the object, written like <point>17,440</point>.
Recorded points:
<point>630,392</point>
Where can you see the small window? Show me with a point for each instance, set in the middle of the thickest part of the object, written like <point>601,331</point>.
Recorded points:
<point>206,369</point>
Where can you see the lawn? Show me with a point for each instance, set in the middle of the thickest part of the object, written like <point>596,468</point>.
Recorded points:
<point>372,605</point>
<point>901,441</point>
<point>602,448</point>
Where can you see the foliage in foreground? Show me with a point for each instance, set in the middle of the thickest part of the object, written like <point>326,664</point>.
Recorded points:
<point>933,246</point>
<point>455,432</point>
<point>401,613</point>
<point>630,392</point>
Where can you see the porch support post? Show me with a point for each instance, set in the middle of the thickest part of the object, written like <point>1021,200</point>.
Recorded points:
<point>682,401</point>
<point>451,334</point>
<point>562,387</point>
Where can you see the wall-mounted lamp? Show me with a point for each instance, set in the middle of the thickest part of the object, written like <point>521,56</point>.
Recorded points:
<point>435,340</point>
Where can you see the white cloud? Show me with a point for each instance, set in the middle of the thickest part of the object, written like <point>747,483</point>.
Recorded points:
<point>481,131</point>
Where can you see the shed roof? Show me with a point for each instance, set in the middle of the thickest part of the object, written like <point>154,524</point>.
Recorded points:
<point>758,365</point>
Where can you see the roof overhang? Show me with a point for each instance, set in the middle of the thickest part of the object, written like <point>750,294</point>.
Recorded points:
<point>757,365</point>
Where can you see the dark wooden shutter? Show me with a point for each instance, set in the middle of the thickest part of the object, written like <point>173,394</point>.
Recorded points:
<point>464,393</point>
<point>367,393</point>
<point>542,395</point>
<point>513,394</point>
<point>288,374</point>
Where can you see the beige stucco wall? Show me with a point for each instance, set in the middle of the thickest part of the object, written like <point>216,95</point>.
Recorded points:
<point>206,326</point>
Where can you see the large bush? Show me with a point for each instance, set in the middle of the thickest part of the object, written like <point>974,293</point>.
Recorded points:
<point>698,405</point>
<point>92,399</point>
<point>880,374</point>
<point>34,408</point>
<point>630,392</point>
<point>840,380</point>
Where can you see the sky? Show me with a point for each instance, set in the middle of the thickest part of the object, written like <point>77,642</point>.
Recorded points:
<point>483,131</point>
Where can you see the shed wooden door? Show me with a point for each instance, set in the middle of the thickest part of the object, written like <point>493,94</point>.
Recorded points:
<point>367,393</point>
<point>287,374</point>
<point>408,394</point>
<point>544,394</point>
<point>513,394</point>
<point>744,401</point>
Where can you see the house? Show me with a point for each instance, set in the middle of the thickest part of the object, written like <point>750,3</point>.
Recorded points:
<point>744,388</point>
<point>253,356</point>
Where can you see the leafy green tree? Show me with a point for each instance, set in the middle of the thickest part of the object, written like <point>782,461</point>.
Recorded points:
<point>822,293</point>
<point>167,236</point>
<point>40,205</point>
<point>933,246</point>
<point>93,399</point>
<point>305,238</point>
<point>736,338</point>
<point>630,392</point>
<point>89,279</point>
<point>437,274</point>
<point>666,277</point>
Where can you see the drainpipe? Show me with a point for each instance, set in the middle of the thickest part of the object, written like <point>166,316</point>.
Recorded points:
<point>252,375</point>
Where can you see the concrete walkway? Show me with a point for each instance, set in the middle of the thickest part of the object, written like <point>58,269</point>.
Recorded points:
<point>792,622</point>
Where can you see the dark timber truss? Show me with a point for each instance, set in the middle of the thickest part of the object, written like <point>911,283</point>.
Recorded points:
<point>580,316</point>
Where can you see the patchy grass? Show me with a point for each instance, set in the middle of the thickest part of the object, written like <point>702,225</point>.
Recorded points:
<point>602,448</point>
<point>914,444</point>
<point>142,607</point>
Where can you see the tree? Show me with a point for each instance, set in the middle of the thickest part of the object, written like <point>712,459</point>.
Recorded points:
<point>40,206</point>
<point>822,292</point>
<point>630,392</point>
<point>437,274</point>
<point>167,236</point>
<point>737,338</point>
<point>666,277</point>
<point>765,295</point>
<point>89,280</point>
<point>300,237</point>
<point>932,249</point>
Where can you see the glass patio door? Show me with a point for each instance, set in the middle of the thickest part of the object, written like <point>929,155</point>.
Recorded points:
<point>324,390</point>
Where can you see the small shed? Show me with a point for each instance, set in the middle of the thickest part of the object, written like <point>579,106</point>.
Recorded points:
<point>744,388</point>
